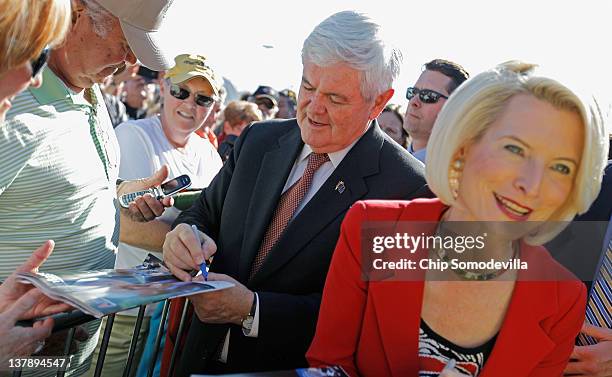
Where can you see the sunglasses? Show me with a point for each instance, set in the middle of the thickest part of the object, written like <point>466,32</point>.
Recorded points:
<point>425,95</point>
<point>40,62</point>
<point>182,93</point>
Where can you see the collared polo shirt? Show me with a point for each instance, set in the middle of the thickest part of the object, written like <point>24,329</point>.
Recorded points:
<point>53,181</point>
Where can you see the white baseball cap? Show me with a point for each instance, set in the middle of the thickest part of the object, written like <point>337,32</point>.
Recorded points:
<point>140,20</point>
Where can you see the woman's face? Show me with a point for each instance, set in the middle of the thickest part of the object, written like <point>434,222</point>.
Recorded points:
<point>13,82</point>
<point>184,115</point>
<point>523,168</point>
<point>392,126</point>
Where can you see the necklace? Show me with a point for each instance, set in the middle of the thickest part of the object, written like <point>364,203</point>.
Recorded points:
<point>476,276</point>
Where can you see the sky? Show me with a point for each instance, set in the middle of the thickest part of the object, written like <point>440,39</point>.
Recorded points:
<point>255,43</point>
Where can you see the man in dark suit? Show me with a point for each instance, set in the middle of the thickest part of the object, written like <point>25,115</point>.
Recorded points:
<point>273,212</point>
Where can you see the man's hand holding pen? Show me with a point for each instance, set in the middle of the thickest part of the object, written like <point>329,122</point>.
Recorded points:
<point>185,250</point>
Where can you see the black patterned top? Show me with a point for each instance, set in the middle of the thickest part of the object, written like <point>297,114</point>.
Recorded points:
<point>435,352</point>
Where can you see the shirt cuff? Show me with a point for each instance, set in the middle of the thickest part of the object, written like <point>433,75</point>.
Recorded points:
<point>255,328</point>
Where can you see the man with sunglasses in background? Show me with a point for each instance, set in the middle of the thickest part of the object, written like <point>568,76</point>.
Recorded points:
<point>426,98</point>
<point>266,98</point>
<point>61,179</point>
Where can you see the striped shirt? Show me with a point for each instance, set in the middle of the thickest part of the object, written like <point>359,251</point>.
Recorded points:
<point>53,184</point>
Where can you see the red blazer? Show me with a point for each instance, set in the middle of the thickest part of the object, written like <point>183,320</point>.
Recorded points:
<point>371,328</point>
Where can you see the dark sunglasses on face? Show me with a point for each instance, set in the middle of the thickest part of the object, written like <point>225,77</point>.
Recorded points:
<point>425,95</point>
<point>182,93</point>
<point>40,62</point>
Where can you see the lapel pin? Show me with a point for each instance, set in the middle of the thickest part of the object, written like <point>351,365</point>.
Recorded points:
<point>340,187</point>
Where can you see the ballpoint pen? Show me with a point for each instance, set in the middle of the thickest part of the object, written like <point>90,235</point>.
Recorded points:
<point>203,264</point>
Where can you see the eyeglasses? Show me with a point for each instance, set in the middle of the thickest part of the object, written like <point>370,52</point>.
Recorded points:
<point>40,62</point>
<point>425,95</point>
<point>182,93</point>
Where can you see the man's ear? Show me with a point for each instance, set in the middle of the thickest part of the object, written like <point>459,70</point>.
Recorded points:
<point>380,102</point>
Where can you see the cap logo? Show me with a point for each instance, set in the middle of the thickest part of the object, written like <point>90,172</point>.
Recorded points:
<point>196,63</point>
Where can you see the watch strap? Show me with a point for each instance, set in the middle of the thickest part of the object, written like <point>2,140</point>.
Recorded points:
<point>253,305</point>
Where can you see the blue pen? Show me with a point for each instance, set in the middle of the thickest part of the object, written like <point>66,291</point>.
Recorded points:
<point>203,264</point>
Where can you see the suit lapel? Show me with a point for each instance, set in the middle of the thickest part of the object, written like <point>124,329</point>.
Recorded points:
<point>398,303</point>
<point>531,303</point>
<point>275,168</point>
<point>328,203</point>
<point>398,315</point>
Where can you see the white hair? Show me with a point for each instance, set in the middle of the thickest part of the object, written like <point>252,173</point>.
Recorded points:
<point>355,39</point>
<point>102,19</point>
<point>477,103</point>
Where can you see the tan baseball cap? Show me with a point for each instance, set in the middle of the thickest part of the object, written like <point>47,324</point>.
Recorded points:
<point>189,66</point>
<point>140,20</point>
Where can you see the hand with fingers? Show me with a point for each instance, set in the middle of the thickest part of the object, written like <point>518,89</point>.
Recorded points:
<point>11,290</point>
<point>593,360</point>
<point>230,305</point>
<point>16,341</point>
<point>146,207</point>
<point>183,252</point>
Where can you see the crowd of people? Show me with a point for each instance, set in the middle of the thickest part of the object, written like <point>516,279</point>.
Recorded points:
<point>286,186</point>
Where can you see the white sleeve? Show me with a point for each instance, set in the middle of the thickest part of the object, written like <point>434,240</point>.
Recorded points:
<point>136,159</point>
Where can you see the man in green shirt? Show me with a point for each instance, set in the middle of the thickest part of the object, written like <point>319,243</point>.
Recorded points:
<point>60,155</point>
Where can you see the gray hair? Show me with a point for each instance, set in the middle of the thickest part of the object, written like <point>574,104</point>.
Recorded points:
<point>355,39</point>
<point>102,19</point>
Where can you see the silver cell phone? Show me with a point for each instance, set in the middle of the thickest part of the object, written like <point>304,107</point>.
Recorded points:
<point>168,188</point>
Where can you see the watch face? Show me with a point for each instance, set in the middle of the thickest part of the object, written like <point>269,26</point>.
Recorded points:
<point>247,323</point>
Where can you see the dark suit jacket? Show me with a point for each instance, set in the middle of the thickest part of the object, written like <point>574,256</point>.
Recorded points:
<point>235,211</point>
<point>371,328</point>
<point>579,246</point>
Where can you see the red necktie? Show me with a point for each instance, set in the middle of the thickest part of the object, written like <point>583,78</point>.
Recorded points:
<point>288,203</point>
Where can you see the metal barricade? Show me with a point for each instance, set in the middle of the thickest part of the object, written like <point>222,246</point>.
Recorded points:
<point>83,318</point>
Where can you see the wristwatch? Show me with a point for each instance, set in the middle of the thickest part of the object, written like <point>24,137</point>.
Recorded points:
<point>247,322</point>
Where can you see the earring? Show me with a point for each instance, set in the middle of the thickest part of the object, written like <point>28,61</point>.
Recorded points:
<point>454,173</point>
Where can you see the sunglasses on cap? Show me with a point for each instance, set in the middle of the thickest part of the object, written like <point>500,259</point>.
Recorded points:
<point>182,93</point>
<point>40,62</point>
<point>425,95</point>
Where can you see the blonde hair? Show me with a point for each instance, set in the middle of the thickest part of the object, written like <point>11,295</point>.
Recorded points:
<point>476,104</point>
<point>27,26</point>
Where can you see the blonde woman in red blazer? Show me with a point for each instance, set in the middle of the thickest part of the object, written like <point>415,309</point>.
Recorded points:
<point>508,146</point>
